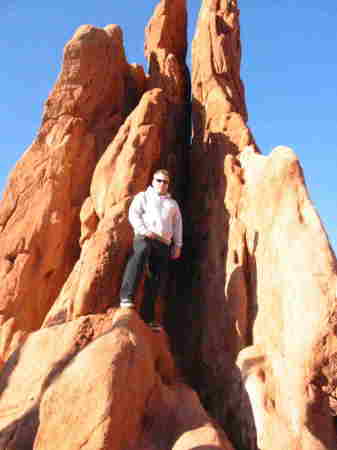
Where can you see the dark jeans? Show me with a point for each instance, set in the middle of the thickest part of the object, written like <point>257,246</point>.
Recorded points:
<point>156,254</point>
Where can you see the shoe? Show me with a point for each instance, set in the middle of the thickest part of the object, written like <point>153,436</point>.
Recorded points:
<point>127,303</point>
<point>155,326</point>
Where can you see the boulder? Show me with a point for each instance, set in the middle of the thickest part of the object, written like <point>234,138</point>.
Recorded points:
<point>86,375</point>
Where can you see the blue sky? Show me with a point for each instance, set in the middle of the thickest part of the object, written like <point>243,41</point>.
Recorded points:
<point>289,69</point>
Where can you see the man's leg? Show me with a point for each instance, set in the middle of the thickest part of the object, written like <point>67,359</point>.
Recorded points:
<point>158,262</point>
<point>133,270</point>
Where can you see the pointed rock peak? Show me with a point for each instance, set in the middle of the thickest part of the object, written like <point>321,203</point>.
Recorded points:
<point>225,6</point>
<point>216,57</point>
<point>167,29</point>
<point>84,31</point>
<point>92,57</point>
<point>90,37</point>
<point>115,31</point>
<point>116,34</point>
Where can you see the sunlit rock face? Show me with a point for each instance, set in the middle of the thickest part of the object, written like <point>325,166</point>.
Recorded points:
<point>100,380</point>
<point>263,277</point>
<point>39,212</point>
<point>153,136</point>
<point>247,359</point>
<point>124,169</point>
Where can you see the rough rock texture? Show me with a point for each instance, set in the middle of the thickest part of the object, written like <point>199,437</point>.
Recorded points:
<point>290,369</point>
<point>151,137</point>
<point>165,49</point>
<point>261,266</point>
<point>217,250</point>
<point>78,393</point>
<point>39,213</point>
<point>124,169</point>
<point>250,310</point>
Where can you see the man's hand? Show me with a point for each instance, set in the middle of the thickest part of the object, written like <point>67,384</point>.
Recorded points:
<point>175,252</point>
<point>150,235</point>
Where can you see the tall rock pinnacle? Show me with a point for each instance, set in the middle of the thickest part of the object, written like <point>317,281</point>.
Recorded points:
<point>219,131</point>
<point>255,278</point>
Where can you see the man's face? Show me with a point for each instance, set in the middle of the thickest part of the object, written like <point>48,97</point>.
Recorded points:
<point>160,183</point>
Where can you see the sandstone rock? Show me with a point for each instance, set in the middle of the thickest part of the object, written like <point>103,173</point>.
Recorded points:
<point>165,49</point>
<point>10,339</point>
<point>136,81</point>
<point>218,253</point>
<point>167,30</point>
<point>86,375</point>
<point>89,220</point>
<point>117,370</point>
<point>251,316</point>
<point>125,169</point>
<point>32,368</point>
<point>175,419</point>
<point>39,212</point>
<point>294,279</point>
<point>263,267</point>
<point>151,137</point>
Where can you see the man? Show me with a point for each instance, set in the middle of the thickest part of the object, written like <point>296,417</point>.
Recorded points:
<point>157,224</point>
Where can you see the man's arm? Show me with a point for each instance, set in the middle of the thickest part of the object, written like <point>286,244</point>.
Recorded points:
<point>136,212</point>
<point>177,235</point>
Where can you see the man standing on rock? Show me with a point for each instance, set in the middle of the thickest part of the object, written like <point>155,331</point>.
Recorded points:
<point>157,224</point>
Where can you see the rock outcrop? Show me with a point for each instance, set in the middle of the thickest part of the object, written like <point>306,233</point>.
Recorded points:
<point>217,279</point>
<point>150,138</point>
<point>256,275</point>
<point>39,214</point>
<point>248,358</point>
<point>289,370</point>
<point>79,391</point>
<point>124,169</point>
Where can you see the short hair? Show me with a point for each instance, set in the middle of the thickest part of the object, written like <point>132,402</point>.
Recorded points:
<point>163,171</point>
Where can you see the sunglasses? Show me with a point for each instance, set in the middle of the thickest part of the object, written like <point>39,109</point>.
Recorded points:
<point>161,181</point>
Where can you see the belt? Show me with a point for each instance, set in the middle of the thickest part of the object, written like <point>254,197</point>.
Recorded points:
<point>157,237</point>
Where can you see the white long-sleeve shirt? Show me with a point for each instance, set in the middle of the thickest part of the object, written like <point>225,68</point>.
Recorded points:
<point>160,214</point>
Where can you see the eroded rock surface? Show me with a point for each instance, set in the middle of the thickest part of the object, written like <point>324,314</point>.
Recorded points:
<point>39,213</point>
<point>217,278</point>
<point>256,278</point>
<point>125,169</point>
<point>251,308</point>
<point>289,369</point>
<point>79,391</point>
<point>153,136</point>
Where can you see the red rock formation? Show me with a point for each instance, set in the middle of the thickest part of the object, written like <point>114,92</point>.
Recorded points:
<point>251,317</point>
<point>258,278</point>
<point>165,49</point>
<point>124,169</point>
<point>150,138</point>
<point>218,249</point>
<point>88,374</point>
<point>39,213</point>
<point>289,370</point>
